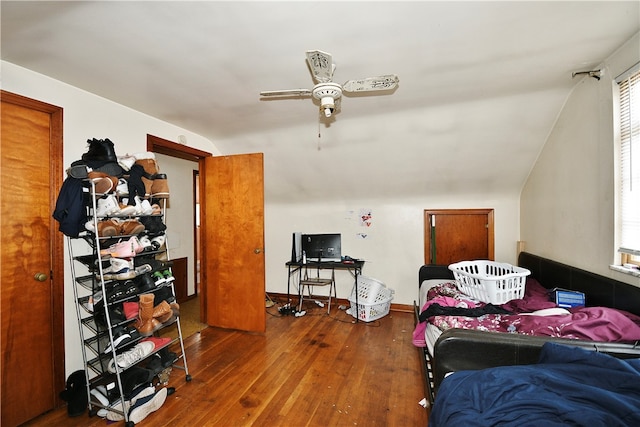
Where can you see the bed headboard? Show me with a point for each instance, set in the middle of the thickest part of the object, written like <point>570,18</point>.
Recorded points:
<point>599,290</point>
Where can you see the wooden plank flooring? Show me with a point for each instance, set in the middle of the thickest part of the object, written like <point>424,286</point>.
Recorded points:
<point>316,370</point>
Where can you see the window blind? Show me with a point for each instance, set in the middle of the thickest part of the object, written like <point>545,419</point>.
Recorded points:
<point>629,85</point>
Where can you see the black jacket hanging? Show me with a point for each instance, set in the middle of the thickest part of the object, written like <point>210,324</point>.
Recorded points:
<point>70,211</point>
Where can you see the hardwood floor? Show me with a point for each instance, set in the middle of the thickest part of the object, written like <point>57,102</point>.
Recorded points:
<point>316,370</point>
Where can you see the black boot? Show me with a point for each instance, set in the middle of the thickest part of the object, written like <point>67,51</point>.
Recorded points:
<point>76,394</point>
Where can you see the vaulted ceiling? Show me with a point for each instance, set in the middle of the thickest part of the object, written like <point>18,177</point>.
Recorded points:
<point>481,83</point>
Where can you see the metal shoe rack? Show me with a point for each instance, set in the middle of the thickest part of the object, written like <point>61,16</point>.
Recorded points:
<point>99,312</point>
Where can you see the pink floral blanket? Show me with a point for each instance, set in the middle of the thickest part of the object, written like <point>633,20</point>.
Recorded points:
<point>534,314</point>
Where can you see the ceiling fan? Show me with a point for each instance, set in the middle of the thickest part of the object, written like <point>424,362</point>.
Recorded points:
<point>328,92</point>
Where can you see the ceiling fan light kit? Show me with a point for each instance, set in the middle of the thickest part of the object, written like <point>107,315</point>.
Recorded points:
<point>327,94</point>
<point>326,91</point>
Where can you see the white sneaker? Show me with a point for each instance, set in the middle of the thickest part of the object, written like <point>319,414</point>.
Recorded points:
<point>115,416</point>
<point>146,207</point>
<point>158,241</point>
<point>107,206</point>
<point>123,188</point>
<point>146,405</point>
<point>132,356</point>
<point>126,161</point>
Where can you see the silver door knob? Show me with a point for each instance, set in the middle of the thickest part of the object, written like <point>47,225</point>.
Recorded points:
<point>257,250</point>
<point>40,277</point>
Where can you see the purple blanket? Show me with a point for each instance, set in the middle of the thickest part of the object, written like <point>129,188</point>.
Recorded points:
<point>586,323</point>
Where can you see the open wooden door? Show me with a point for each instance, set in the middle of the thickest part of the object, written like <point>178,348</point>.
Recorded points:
<point>453,235</point>
<point>233,241</point>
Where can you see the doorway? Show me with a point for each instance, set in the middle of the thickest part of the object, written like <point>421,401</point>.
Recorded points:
<point>190,302</point>
<point>32,326</point>
<point>453,235</point>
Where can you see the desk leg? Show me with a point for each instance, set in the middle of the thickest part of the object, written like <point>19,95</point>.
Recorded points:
<point>357,272</point>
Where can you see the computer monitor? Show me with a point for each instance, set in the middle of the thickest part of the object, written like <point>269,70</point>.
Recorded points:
<point>322,247</point>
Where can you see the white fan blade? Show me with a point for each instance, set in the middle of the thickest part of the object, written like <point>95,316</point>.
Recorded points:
<point>286,92</point>
<point>321,65</point>
<point>385,82</point>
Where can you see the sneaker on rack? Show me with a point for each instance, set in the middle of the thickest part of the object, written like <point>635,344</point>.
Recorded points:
<point>158,342</point>
<point>168,276</point>
<point>132,356</point>
<point>122,189</point>
<point>126,210</point>
<point>146,244</point>
<point>119,335</point>
<point>117,266</point>
<point>159,278</point>
<point>123,249</point>
<point>107,206</point>
<point>158,241</point>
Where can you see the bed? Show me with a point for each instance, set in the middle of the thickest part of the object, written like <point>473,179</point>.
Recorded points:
<point>454,348</point>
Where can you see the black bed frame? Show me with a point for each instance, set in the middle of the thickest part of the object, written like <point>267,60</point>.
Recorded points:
<point>460,349</point>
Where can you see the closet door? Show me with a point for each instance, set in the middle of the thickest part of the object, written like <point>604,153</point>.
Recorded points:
<point>32,339</point>
<point>233,242</point>
<point>453,235</point>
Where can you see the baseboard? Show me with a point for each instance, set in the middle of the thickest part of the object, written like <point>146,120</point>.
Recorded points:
<point>282,298</point>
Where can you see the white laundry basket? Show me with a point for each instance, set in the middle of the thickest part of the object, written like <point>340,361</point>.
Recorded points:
<point>490,281</point>
<point>374,299</point>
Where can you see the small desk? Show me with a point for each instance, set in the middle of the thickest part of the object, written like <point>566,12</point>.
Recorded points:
<point>355,268</point>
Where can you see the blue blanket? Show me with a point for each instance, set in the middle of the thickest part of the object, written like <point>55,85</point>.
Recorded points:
<point>568,387</point>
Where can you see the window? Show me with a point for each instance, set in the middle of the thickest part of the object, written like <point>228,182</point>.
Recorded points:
<point>629,116</point>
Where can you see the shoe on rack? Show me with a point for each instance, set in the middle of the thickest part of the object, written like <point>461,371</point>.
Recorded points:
<point>160,186</point>
<point>130,227</point>
<point>146,283</point>
<point>167,357</point>
<point>168,276</point>
<point>146,323</point>
<point>126,161</point>
<point>107,206</point>
<point>157,341</point>
<point>159,278</point>
<point>163,313</point>
<point>158,241</point>
<point>146,244</point>
<point>126,210</point>
<point>120,335</point>
<point>146,405</point>
<point>103,183</point>
<point>106,228</point>
<point>132,356</point>
<point>130,309</point>
<point>118,265</point>
<point>123,249</point>
<point>153,224</point>
<point>94,301</point>
<point>122,189</point>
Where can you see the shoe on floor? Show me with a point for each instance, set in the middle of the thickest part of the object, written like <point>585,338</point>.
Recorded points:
<point>146,405</point>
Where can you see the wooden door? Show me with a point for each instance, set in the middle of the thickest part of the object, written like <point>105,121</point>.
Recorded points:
<point>458,235</point>
<point>32,338</point>
<point>233,241</point>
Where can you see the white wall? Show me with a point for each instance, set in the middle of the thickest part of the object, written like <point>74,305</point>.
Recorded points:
<point>180,212</point>
<point>89,116</point>
<point>567,204</point>
<point>394,246</point>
